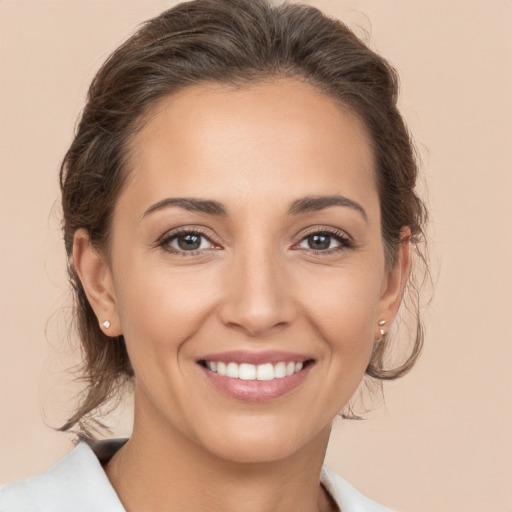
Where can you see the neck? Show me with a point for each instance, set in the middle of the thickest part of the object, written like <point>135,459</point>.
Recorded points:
<point>162,470</point>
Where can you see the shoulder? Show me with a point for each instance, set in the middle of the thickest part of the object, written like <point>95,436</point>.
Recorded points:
<point>348,498</point>
<point>77,482</point>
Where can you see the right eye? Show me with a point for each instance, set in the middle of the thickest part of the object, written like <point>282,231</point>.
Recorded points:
<point>187,242</point>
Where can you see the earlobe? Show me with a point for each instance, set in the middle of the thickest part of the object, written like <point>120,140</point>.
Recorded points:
<point>395,283</point>
<point>96,278</point>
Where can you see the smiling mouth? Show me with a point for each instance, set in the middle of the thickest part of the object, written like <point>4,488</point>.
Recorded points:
<point>256,372</point>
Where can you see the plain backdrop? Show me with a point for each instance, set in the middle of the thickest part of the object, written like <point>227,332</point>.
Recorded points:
<point>442,440</point>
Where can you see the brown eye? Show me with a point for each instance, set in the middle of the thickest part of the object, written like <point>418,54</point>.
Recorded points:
<point>188,241</point>
<point>325,241</point>
<point>319,242</point>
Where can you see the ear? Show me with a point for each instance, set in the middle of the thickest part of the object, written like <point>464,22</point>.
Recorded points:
<point>96,278</point>
<point>394,284</point>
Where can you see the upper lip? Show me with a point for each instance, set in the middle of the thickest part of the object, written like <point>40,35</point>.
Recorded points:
<point>244,356</point>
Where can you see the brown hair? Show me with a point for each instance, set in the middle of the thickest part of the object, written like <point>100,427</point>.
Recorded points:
<point>233,42</point>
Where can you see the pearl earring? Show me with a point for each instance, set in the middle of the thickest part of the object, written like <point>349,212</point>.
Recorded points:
<point>106,324</point>
<point>382,332</point>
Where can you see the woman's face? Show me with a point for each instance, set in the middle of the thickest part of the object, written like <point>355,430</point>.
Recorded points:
<point>247,240</point>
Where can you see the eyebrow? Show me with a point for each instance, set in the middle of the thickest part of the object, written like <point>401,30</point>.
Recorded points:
<point>190,204</point>
<point>304,205</point>
<point>317,203</point>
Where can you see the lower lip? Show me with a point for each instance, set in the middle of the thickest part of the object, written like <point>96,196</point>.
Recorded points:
<point>256,390</point>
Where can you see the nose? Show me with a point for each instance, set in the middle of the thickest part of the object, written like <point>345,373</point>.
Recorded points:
<point>257,299</point>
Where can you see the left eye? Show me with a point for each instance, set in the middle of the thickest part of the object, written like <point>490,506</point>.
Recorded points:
<point>321,242</point>
<point>189,241</point>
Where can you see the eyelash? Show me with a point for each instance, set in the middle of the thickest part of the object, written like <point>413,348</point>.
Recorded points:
<point>344,241</point>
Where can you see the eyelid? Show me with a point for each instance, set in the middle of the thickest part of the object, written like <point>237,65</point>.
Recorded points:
<point>312,230</point>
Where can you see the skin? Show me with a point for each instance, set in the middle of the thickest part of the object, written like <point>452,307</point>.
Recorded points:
<point>255,284</point>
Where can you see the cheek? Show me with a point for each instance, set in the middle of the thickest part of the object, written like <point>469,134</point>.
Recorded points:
<point>161,308</point>
<point>342,306</point>
<point>160,311</point>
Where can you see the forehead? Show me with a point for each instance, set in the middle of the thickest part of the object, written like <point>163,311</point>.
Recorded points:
<point>281,138</point>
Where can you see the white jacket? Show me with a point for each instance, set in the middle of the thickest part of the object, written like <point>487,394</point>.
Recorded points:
<point>78,483</point>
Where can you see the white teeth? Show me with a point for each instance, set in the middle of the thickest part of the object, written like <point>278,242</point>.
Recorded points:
<point>280,370</point>
<point>221,368</point>
<point>232,370</point>
<point>246,371</point>
<point>265,371</point>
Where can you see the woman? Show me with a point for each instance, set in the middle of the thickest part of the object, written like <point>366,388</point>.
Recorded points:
<point>239,215</point>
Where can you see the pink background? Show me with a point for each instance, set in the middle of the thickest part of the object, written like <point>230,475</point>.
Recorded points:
<point>442,441</point>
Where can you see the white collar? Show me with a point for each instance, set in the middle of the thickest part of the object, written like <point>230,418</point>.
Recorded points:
<point>78,483</point>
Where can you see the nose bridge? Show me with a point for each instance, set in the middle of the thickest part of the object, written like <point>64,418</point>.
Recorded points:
<point>256,298</point>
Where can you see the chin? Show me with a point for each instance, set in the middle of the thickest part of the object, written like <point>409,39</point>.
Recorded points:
<point>256,452</point>
<point>261,441</point>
